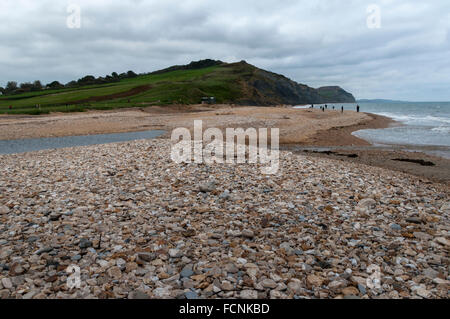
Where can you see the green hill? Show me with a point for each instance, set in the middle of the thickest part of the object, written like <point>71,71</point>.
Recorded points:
<point>238,83</point>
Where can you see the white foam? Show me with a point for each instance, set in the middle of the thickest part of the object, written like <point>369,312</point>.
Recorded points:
<point>415,118</point>
<point>442,129</point>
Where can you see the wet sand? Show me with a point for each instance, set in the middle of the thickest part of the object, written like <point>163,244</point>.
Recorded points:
<point>339,144</point>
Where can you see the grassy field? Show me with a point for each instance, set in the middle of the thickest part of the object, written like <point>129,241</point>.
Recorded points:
<point>181,86</point>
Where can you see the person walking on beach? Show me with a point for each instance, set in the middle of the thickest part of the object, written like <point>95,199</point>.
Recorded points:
<point>342,109</point>
<point>357,108</point>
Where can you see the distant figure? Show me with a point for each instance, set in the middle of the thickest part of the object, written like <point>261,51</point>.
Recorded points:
<point>323,109</point>
<point>326,106</point>
<point>357,108</point>
<point>312,106</point>
<point>333,107</point>
<point>342,109</point>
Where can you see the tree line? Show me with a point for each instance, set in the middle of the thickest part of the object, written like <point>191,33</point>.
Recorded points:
<point>12,87</point>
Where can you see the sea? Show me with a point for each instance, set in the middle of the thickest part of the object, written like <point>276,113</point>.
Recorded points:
<point>424,126</point>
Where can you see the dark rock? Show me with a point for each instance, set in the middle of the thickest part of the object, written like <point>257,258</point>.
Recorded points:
<point>414,220</point>
<point>32,239</point>
<point>54,216</point>
<point>76,258</point>
<point>362,289</point>
<point>186,272</point>
<point>44,250</point>
<point>85,243</point>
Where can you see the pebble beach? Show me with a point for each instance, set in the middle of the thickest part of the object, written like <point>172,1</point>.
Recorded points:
<point>140,226</point>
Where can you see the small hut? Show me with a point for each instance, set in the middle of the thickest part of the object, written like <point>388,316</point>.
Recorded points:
<point>209,100</point>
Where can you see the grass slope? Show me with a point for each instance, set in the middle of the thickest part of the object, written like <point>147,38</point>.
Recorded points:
<point>239,83</point>
<point>181,86</point>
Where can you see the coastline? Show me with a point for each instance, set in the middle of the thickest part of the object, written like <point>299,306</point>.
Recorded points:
<point>310,132</point>
<point>342,136</point>
<point>339,144</point>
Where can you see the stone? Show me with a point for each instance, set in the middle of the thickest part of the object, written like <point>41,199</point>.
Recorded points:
<point>227,286</point>
<point>147,257</point>
<point>241,261</point>
<point>440,281</point>
<point>44,250</point>
<point>274,294</point>
<point>207,187</point>
<point>54,216</point>
<point>350,291</point>
<point>314,280</point>
<point>422,236</point>
<point>175,253</point>
<point>413,220</point>
<point>29,295</point>
<point>367,203</point>
<point>248,233</point>
<point>4,210</point>
<point>186,272</point>
<point>248,294</point>
<point>430,273</point>
<point>396,227</point>
<point>295,285</point>
<point>362,289</point>
<point>269,283</point>
<point>422,292</point>
<point>231,268</point>
<point>225,195</point>
<point>115,272</point>
<point>443,241</point>
<point>6,282</point>
<point>162,292</point>
<point>76,258</point>
<point>85,243</point>
<point>16,270</point>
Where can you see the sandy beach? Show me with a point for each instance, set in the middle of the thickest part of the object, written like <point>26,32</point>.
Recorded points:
<point>299,128</point>
<point>296,125</point>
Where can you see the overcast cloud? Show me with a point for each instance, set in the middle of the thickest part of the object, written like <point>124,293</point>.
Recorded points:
<point>321,42</point>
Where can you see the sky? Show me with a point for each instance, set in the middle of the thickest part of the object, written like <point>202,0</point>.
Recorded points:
<point>394,49</point>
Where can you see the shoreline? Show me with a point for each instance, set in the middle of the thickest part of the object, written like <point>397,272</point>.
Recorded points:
<point>342,136</point>
<point>309,132</point>
<point>340,144</point>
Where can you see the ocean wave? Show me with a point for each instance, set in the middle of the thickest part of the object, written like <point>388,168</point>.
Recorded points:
<point>416,118</point>
<point>441,129</point>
